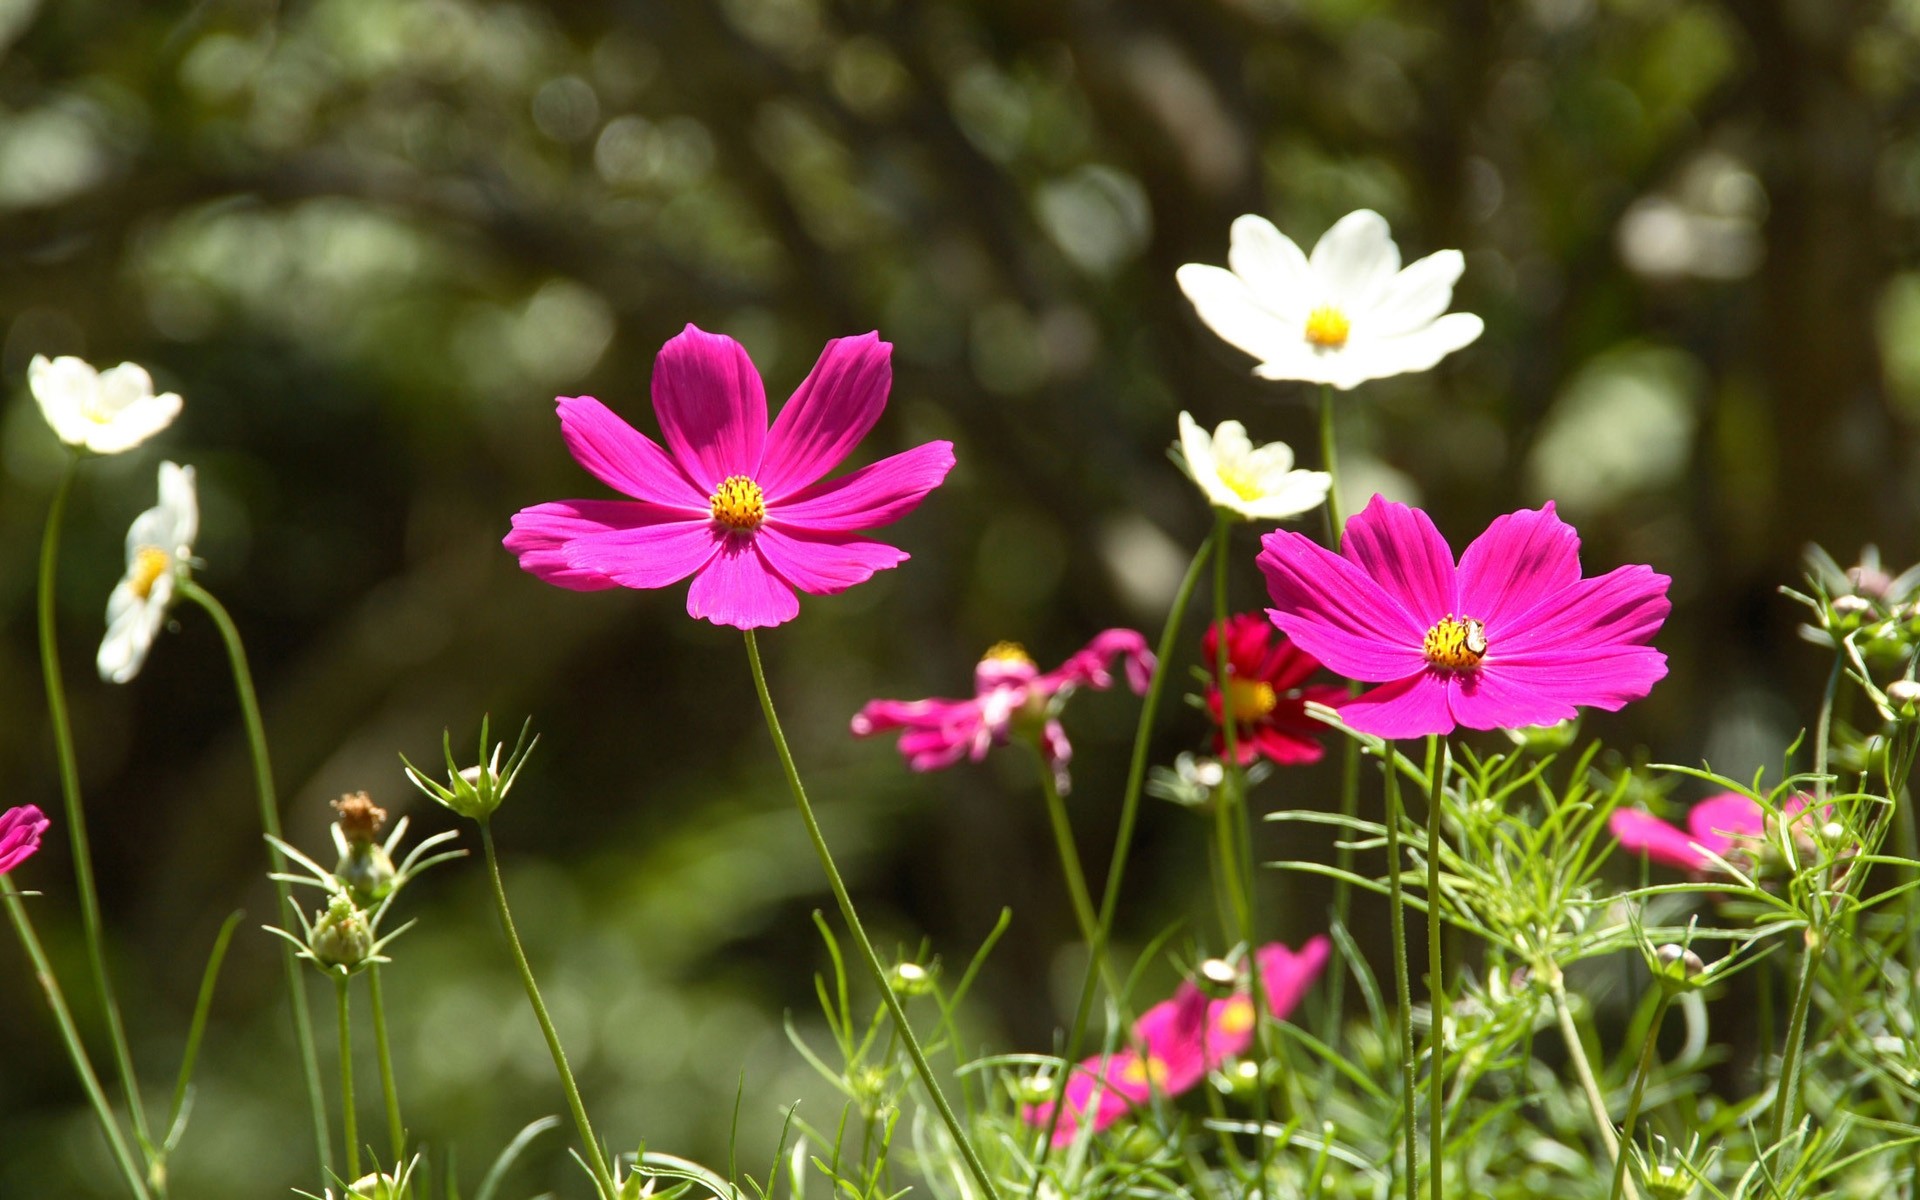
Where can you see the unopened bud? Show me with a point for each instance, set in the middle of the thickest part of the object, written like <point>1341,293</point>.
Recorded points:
<point>374,1187</point>
<point>1904,692</point>
<point>1665,1182</point>
<point>1679,966</point>
<point>1218,978</point>
<point>1035,1090</point>
<point>909,979</point>
<point>1241,1078</point>
<point>1852,606</point>
<point>341,935</point>
<point>1832,831</point>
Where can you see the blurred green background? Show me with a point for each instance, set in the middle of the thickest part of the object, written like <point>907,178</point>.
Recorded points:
<point>369,241</point>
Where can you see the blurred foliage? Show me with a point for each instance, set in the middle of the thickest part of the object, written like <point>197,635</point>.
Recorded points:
<point>370,239</point>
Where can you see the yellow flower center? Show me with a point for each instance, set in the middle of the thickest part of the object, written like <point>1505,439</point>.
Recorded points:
<point>149,564</point>
<point>1139,1070</point>
<point>1457,644</point>
<point>1008,652</point>
<point>1237,1016</point>
<point>739,503</point>
<point>1250,699</point>
<point>1327,327</point>
<point>1241,482</point>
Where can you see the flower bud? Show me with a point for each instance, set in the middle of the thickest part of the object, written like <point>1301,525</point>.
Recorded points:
<point>1904,694</point>
<point>1240,1079</point>
<point>1666,1182</point>
<point>1546,739</point>
<point>1218,978</point>
<point>374,1187</point>
<point>1035,1089</point>
<point>342,937</point>
<point>474,792</point>
<point>1679,967</point>
<point>910,979</point>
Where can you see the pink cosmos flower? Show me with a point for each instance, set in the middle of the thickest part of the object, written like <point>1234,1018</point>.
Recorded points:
<point>1265,693</point>
<point>740,507</point>
<point>1717,828</point>
<point>1510,636</point>
<point>20,830</point>
<point>1177,1041</point>
<point>1008,689</point>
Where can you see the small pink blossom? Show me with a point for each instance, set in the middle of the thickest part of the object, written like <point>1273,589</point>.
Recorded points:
<point>1719,827</point>
<point>1510,636</point>
<point>1008,689</point>
<point>1177,1041</point>
<point>740,507</point>
<point>20,830</point>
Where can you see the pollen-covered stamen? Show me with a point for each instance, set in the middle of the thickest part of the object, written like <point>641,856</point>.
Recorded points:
<point>1328,327</point>
<point>738,503</point>
<point>149,564</point>
<point>1008,652</point>
<point>1457,644</point>
<point>1250,699</point>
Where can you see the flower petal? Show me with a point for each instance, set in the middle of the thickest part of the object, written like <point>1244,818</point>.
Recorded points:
<point>1367,357</point>
<point>1231,309</point>
<point>1417,296</point>
<point>1608,678</point>
<point>1405,708</point>
<point>622,457</point>
<point>1490,698</point>
<point>1644,833</point>
<point>1716,821</point>
<point>1334,611</point>
<point>1626,606</point>
<point>1520,559</point>
<point>711,405</point>
<point>1285,975</point>
<point>1401,550</point>
<point>822,564</point>
<point>20,830</point>
<point>874,495</point>
<point>738,588</point>
<point>132,624</point>
<point>1273,267</point>
<point>540,532</point>
<point>833,408</point>
<point>1355,260</point>
<point>649,548</point>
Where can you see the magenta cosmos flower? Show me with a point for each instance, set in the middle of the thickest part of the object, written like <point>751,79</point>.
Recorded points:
<point>1510,636</point>
<point>1728,826</point>
<point>1009,688</point>
<point>740,507</point>
<point>1177,1041</point>
<point>20,830</point>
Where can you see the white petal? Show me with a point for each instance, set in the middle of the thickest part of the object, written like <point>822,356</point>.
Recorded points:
<point>1273,267</point>
<point>134,424</point>
<point>1421,349</point>
<point>1231,310</point>
<point>1231,445</point>
<point>64,387</point>
<point>1270,462</point>
<point>132,624</point>
<point>181,503</point>
<point>1304,363</point>
<point>123,386</point>
<point>1302,491</point>
<point>1197,449</point>
<point>1354,259</point>
<point>1416,296</point>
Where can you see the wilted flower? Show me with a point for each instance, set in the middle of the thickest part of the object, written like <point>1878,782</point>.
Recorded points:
<point>1266,697</point>
<point>1176,1042</point>
<point>740,507</point>
<point>1257,482</point>
<point>102,411</point>
<point>1512,636</point>
<point>159,555</point>
<point>365,866</point>
<point>20,830</point>
<point>1011,694</point>
<point>475,791</point>
<point>1348,314</point>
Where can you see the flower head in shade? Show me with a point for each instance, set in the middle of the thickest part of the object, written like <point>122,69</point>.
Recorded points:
<point>159,555</point>
<point>1727,828</point>
<point>1266,694</point>
<point>1347,314</point>
<point>740,507</point>
<point>1259,483</point>
<point>1011,693</point>
<point>1176,1042</point>
<point>102,411</point>
<point>20,830</point>
<point>1510,636</point>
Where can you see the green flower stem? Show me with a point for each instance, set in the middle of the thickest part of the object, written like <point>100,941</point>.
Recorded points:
<point>1069,850</point>
<point>1583,1070</point>
<point>1436,970</point>
<point>1402,979</point>
<point>1123,837</point>
<point>76,1050</point>
<point>874,967</point>
<point>1639,1091</point>
<point>396,1129</point>
<point>596,1161</point>
<point>349,1125</point>
<point>70,796</point>
<point>1350,749</point>
<point>283,894</point>
<point>1330,463</point>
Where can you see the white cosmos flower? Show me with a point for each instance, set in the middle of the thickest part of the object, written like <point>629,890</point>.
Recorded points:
<point>159,556</point>
<point>102,411</point>
<point>1258,482</point>
<point>1348,314</point>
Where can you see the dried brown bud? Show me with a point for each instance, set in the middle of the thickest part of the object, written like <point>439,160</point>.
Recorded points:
<point>360,818</point>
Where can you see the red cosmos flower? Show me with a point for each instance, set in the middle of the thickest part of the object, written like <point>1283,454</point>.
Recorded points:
<point>1265,674</point>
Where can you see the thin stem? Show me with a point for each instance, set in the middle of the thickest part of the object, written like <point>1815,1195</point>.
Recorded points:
<point>1068,850</point>
<point>874,967</point>
<point>349,1126</point>
<point>1583,1070</point>
<point>1402,979</point>
<point>396,1129</point>
<point>1823,731</point>
<point>76,1050</point>
<point>1639,1091</point>
<point>596,1161</point>
<point>1123,840</point>
<point>1436,972</point>
<point>1330,463</point>
<point>269,806</point>
<point>1350,749</point>
<point>70,797</point>
<point>1787,1103</point>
